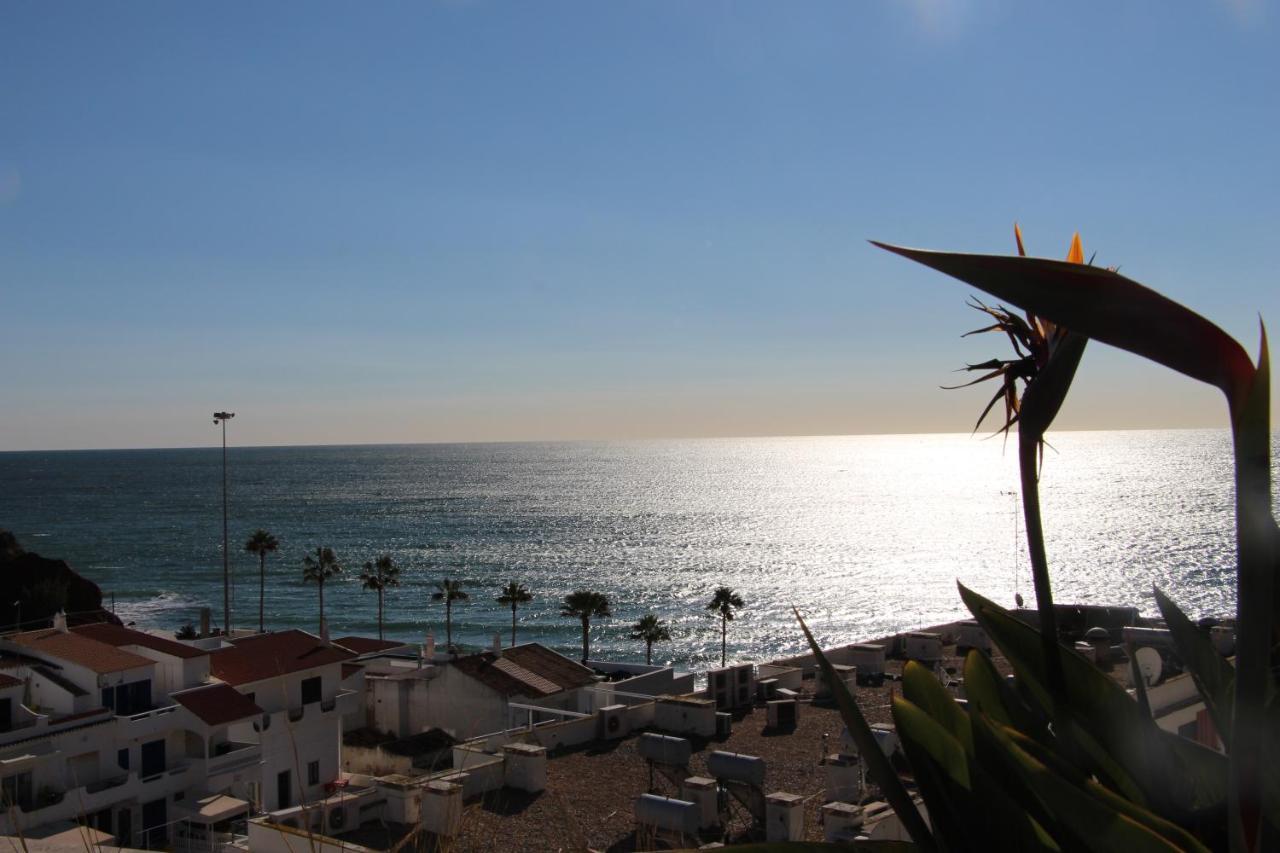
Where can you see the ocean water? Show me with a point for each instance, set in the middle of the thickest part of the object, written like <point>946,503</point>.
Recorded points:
<point>867,535</point>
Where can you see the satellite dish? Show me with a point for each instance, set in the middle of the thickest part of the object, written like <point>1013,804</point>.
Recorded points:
<point>1149,664</point>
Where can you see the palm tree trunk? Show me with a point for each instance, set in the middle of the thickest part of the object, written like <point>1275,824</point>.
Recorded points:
<point>724,631</point>
<point>379,613</point>
<point>513,623</point>
<point>262,591</point>
<point>648,652</point>
<point>321,587</point>
<point>586,639</point>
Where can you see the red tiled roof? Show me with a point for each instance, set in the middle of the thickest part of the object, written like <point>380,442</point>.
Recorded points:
<point>9,681</point>
<point>366,645</point>
<point>527,670</point>
<point>553,666</point>
<point>79,649</point>
<point>118,635</point>
<point>268,655</point>
<point>217,704</point>
<point>350,669</point>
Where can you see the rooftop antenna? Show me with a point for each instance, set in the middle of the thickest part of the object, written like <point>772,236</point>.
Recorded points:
<point>1017,596</point>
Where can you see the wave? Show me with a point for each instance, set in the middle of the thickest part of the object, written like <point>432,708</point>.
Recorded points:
<point>165,609</point>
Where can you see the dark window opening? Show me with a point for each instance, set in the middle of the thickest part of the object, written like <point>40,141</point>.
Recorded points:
<point>313,773</point>
<point>310,690</point>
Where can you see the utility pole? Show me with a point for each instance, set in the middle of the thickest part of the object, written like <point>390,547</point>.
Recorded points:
<point>222,418</point>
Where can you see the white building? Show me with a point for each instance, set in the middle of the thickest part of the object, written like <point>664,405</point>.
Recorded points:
<point>294,677</point>
<point>472,695</point>
<point>150,740</point>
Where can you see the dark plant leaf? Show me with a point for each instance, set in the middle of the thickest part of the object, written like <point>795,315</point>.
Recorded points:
<point>1214,677</point>
<point>1106,306</point>
<point>988,693</point>
<point>878,766</point>
<point>1144,763</point>
<point>1089,815</point>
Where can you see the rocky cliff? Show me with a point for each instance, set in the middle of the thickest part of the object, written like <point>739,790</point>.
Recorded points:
<point>37,587</point>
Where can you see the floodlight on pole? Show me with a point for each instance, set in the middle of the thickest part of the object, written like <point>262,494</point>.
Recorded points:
<point>222,418</point>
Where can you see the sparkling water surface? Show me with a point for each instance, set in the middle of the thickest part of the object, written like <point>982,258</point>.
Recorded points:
<point>866,534</point>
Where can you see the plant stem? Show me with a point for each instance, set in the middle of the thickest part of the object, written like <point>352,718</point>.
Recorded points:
<point>1028,446</point>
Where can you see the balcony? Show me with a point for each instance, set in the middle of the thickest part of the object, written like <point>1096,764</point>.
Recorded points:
<point>148,723</point>
<point>238,757</point>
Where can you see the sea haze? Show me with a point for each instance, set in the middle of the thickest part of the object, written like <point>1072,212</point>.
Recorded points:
<point>865,534</point>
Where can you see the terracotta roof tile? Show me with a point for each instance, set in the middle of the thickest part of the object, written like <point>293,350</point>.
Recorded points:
<point>533,670</point>
<point>269,655</point>
<point>9,680</point>
<point>217,704</point>
<point>76,648</point>
<point>118,635</point>
<point>553,666</point>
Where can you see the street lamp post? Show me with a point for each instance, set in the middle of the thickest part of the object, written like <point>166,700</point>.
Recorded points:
<point>222,418</point>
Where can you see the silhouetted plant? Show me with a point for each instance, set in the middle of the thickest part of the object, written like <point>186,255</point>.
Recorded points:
<point>652,630</point>
<point>724,603</point>
<point>262,543</point>
<point>584,605</point>
<point>379,575</point>
<point>513,595</point>
<point>1069,760</point>
<point>318,567</point>
<point>449,591</point>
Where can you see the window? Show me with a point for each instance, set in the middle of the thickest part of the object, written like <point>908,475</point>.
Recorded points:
<point>16,791</point>
<point>109,698</point>
<point>122,758</point>
<point>132,698</point>
<point>310,690</point>
<point>6,715</point>
<point>313,773</point>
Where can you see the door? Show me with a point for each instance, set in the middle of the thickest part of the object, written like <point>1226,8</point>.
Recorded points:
<point>154,831</point>
<point>284,790</point>
<point>152,758</point>
<point>124,828</point>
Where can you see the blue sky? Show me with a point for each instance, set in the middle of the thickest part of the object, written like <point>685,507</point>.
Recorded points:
<point>478,221</point>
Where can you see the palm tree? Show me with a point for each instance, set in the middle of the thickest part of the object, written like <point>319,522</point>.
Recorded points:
<point>449,591</point>
<point>652,630</point>
<point>584,604</point>
<point>514,594</point>
<point>378,575</point>
<point>724,603</point>
<point>319,568</point>
<point>262,543</point>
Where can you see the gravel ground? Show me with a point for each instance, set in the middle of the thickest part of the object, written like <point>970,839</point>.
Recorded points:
<point>588,800</point>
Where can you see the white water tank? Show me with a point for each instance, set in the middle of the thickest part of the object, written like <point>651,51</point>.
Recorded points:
<point>844,778</point>
<point>664,749</point>
<point>667,814</point>
<point>524,767</point>
<point>736,767</point>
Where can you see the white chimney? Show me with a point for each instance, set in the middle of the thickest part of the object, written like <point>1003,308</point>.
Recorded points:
<point>497,643</point>
<point>60,622</point>
<point>429,650</point>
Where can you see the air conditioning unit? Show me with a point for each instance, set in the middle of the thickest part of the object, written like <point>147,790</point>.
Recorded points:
<point>338,820</point>
<point>724,724</point>
<point>782,714</point>
<point>745,683</point>
<point>720,687</point>
<point>612,722</point>
<point>767,689</point>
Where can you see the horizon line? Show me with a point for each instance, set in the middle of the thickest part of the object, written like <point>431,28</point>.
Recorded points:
<point>619,440</point>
